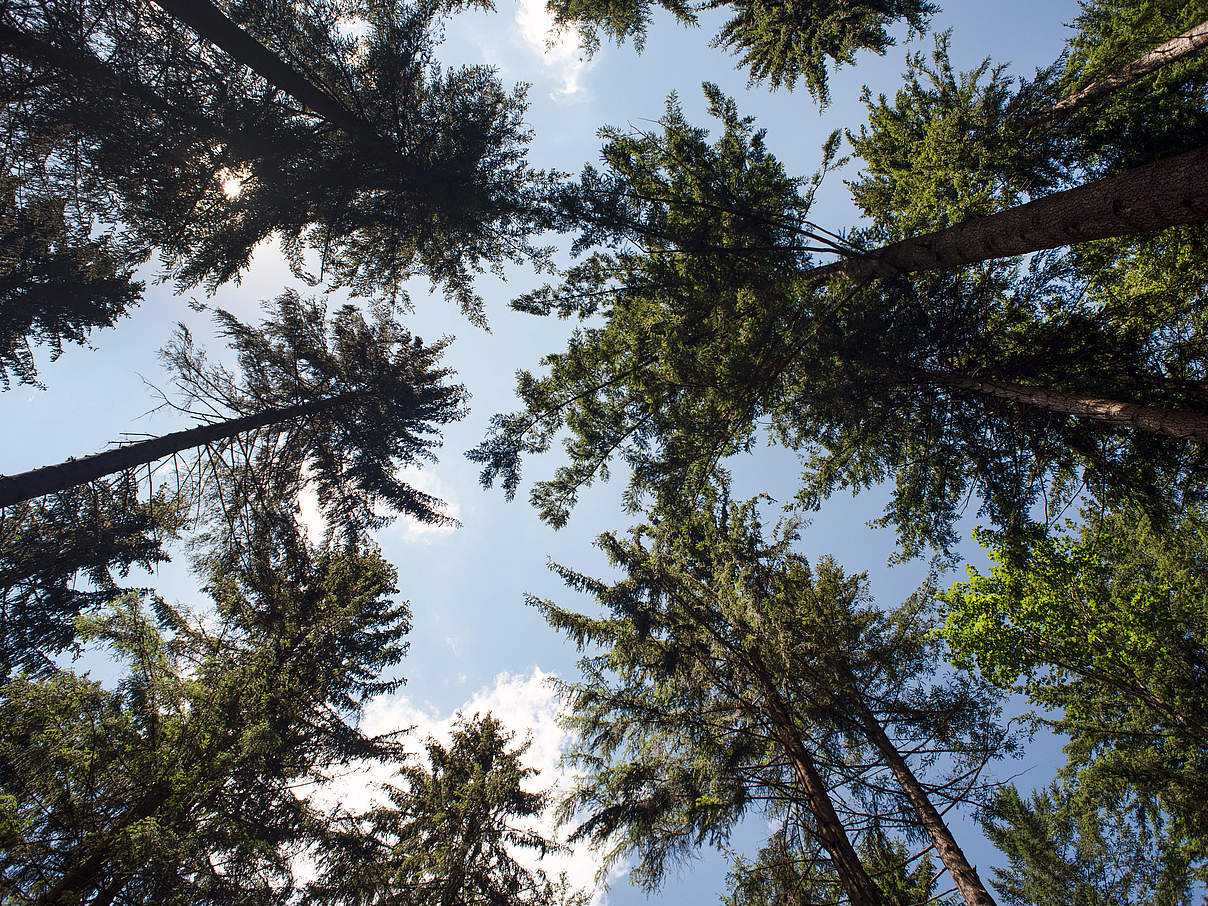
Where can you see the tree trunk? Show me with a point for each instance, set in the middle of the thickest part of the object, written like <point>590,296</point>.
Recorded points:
<point>1181,424</point>
<point>49,479</point>
<point>211,24</point>
<point>1158,195</point>
<point>964,875</point>
<point>859,887</point>
<point>1189,42</point>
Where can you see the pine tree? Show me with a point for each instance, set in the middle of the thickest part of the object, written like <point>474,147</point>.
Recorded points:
<point>180,784</point>
<point>449,834</point>
<point>733,676</point>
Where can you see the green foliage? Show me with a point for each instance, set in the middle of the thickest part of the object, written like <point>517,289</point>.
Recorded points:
<point>390,399</point>
<point>787,872</point>
<point>721,663</point>
<point>1109,630</point>
<point>705,329</point>
<point>121,108</point>
<point>1062,852</point>
<point>180,784</point>
<point>63,555</point>
<point>56,285</point>
<point>778,41</point>
<point>449,834</point>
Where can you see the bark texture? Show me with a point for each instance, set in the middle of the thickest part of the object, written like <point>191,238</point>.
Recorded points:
<point>1182,424</point>
<point>1158,195</point>
<point>1189,42</point>
<point>963,875</point>
<point>49,479</point>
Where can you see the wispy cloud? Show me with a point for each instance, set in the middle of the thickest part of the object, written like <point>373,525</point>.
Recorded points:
<point>425,480</point>
<point>559,50</point>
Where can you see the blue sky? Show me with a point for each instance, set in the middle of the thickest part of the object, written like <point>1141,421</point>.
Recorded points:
<point>475,644</point>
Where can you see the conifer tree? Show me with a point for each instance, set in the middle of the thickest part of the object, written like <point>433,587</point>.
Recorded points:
<point>777,41</point>
<point>56,285</point>
<point>1060,851</point>
<point>123,109</point>
<point>64,555</point>
<point>732,676</point>
<point>344,403</point>
<point>714,325</point>
<point>180,784</point>
<point>450,833</point>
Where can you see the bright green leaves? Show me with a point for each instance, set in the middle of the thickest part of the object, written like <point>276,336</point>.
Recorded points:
<point>1110,628</point>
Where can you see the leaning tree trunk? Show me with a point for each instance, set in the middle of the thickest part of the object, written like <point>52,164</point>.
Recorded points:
<point>1189,42</point>
<point>860,889</point>
<point>964,875</point>
<point>1158,195</point>
<point>49,479</point>
<point>1181,424</point>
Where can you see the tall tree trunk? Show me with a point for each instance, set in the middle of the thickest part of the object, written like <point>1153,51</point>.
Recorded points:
<point>49,479</point>
<point>1189,42</point>
<point>211,24</point>
<point>1182,424</point>
<point>964,875</point>
<point>1158,195</point>
<point>861,890</point>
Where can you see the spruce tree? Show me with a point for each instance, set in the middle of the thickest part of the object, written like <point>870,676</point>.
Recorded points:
<point>123,109</point>
<point>449,833</point>
<point>732,676</point>
<point>1061,851</point>
<point>343,402</point>
<point>57,284</point>
<point>181,784</point>
<point>779,42</point>
<point>713,325</point>
<point>64,555</point>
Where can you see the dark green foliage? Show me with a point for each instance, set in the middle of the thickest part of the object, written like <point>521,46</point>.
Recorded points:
<point>56,285</point>
<point>787,872</point>
<point>1108,631</point>
<point>779,41</point>
<point>713,331</point>
<point>63,556</point>
<point>726,662</point>
<point>181,784</point>
<point>449,834</point>
<point>393,398</point>
<point>1060,852</point>
<point>954,146</point>
<point>124,110</point>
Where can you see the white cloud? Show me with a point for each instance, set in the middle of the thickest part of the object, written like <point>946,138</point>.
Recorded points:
<point>425,480</point>
<point>559,50</point>
<point>310,515</point>
<point>528,707</point>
